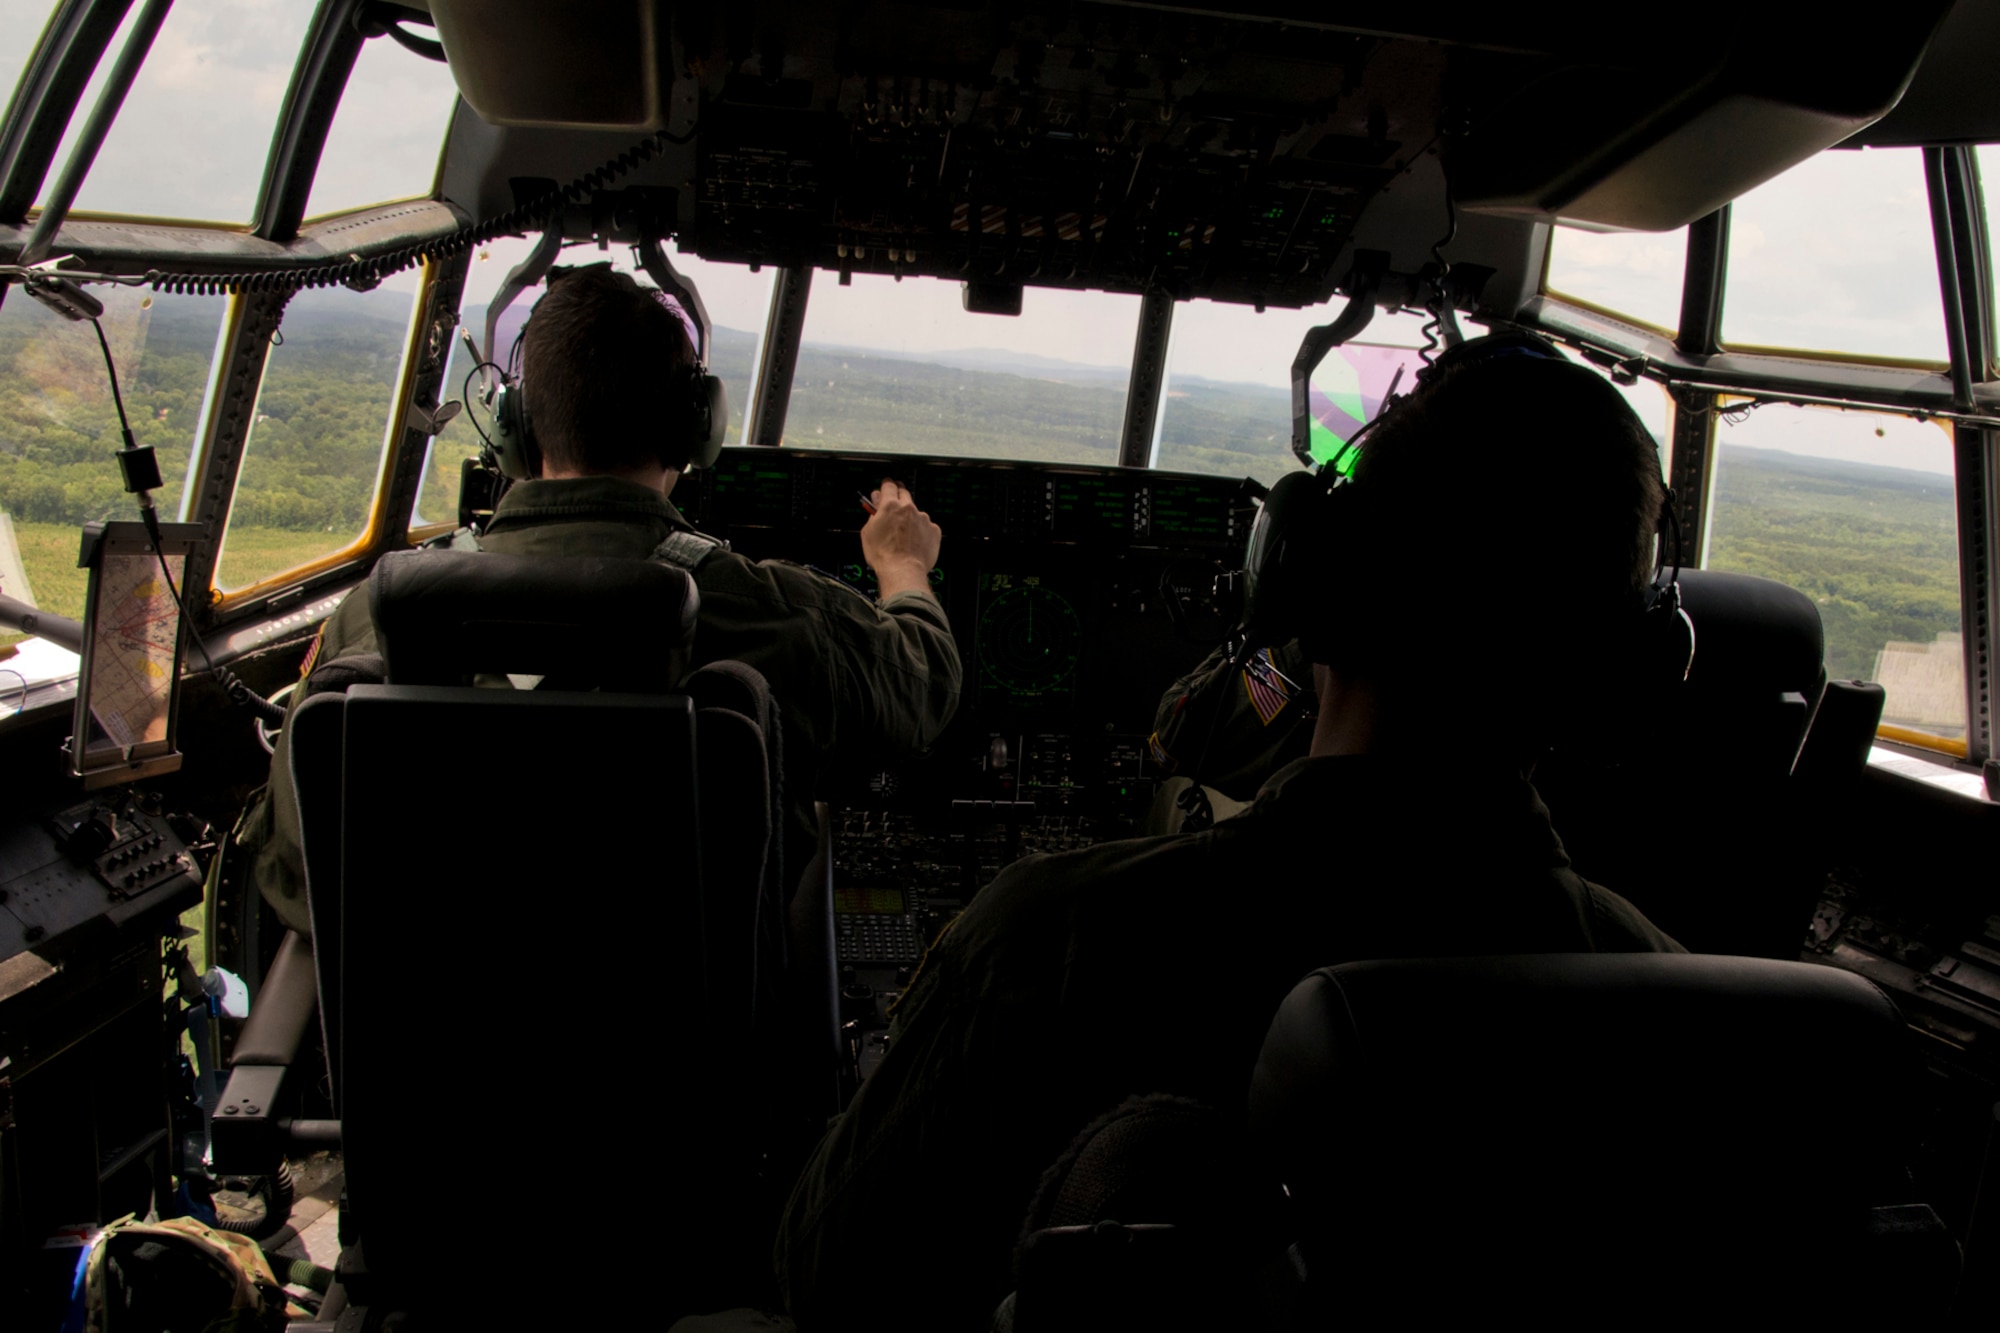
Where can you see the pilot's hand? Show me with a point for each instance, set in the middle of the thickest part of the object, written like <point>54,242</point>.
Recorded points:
<point>899,541</point>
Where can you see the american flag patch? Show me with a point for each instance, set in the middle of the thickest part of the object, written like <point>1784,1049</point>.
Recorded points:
<point>312,654</point>
<point>1267,686</point>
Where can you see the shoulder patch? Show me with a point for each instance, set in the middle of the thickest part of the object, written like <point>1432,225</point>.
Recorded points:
<point>687,549</point>
<point>312,653</point>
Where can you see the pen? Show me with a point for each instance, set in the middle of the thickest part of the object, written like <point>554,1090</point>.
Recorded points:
<point>866,503</point>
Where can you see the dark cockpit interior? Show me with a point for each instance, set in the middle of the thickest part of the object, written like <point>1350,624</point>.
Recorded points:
<point>1807,800</point>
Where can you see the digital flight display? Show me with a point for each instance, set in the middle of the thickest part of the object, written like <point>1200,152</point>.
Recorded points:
<point>1030,640</point>
<point>869,902</point>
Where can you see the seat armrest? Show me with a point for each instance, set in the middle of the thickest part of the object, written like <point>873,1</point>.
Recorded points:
<point>244,1134</point>
<point>283,1007</point>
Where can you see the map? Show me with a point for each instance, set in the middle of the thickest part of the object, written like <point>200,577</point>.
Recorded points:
<point>132,653</point>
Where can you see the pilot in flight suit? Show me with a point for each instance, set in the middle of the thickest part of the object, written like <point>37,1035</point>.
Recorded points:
<point>1230,730</point>
<point>852,678</point>
<point>1153,966</point>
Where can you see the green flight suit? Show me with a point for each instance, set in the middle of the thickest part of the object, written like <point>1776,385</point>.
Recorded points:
<point>1213,726</point>
<point>854,681</point>
<point>1149,966</point>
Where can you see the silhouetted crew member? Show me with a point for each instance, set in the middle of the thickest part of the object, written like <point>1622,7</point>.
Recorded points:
<point>852,678</point>
<point>1155,965</point>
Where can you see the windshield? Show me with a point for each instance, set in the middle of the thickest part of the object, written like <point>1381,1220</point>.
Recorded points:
<point>901,366</point>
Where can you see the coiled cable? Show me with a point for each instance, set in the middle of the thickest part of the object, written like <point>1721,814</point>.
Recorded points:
<point>1440,289</point>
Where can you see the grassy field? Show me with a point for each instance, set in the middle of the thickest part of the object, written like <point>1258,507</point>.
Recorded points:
<point>48,553</point>
<point>249,554</point>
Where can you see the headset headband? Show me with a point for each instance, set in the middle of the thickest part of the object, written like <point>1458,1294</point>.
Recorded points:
<point>696,406</point>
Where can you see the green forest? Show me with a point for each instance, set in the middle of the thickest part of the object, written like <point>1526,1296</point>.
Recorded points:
<point>1873,546</point>
<point>58,428</point>
<point>849,399</point>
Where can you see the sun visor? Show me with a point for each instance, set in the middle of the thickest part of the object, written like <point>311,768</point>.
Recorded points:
<point>1656,141</point>
<point>582,64</point>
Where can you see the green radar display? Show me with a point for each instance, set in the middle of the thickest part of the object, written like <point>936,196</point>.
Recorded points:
<point>1028,638</point>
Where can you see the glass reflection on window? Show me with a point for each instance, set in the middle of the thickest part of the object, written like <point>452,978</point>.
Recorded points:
<point>902,367</point>
<point>59,426</point>
<point>1857,511</point>
<point>737,301</point>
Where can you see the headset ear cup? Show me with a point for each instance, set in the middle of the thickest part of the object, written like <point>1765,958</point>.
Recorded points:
<point>1269,612</point>
<point>1669,636</point>
<point>711,420</point>
<point>1297,538</point>
<point>513,435</point>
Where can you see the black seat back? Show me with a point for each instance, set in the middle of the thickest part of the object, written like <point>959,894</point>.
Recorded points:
<point>515,933</point>
<point>545,905</point>
<point>1602,1139</point>
<point>1687,807</point>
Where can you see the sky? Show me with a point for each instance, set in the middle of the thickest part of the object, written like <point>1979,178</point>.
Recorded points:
<point>1834,254</point>
<point>193,135</point>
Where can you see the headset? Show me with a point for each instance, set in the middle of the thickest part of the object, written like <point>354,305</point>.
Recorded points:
<point>1312,522</point>
<point>695,407</point>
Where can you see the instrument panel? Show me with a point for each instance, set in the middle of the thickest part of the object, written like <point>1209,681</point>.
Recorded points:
<point>1077,596</point>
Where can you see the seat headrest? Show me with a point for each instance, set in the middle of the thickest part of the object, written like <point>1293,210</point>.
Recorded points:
<point>1568,1118</point>
<point>1753,636</point>
<point>584,621</point>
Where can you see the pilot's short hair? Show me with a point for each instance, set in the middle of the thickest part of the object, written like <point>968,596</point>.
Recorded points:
<point>596,357</point>
<point>1514,506</point>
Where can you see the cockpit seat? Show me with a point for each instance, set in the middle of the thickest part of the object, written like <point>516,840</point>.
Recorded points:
<point>1597,1140</point>
<point>547,922</point>
<point>1689,809</point>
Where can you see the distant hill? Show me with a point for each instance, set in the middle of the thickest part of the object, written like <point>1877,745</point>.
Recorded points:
<point>999,361</point>
<point>1836,471</point>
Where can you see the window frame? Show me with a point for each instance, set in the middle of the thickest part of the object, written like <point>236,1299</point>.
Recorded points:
<point>1677,358</point>
<point>382,508</point>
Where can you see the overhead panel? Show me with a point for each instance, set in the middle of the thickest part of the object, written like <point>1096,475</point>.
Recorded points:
<point>1220,154</point>
<point>1117,148</point>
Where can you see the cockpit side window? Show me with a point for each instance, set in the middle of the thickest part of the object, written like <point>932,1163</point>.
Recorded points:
<point>314,458</point>
<point>1636,275</point>
<point>737,300</point>
<point>1858,511</point>
<point>191,139</point>
<point>385,138</point>
<point>59,428</point>
<point>902,367</point>
<point>1837,255</point>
